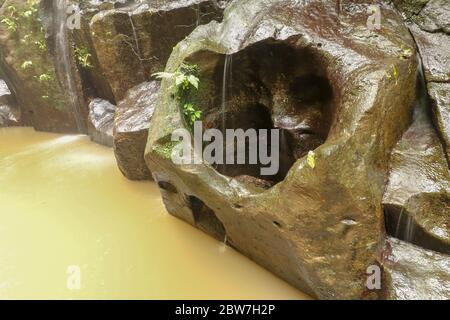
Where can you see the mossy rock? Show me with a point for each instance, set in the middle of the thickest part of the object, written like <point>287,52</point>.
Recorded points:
<point>29,68</point>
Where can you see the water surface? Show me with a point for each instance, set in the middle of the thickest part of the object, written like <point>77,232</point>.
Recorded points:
<point>64,203</point>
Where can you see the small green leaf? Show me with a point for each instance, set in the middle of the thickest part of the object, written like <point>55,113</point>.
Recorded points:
<point>26,64</point>
<point>394,72</point>
<point>163,75</point>
<point>45,77</point>
<point>179,79</point>
<point>407,53</point>
<point>193,80</point>
<point>27,13</point>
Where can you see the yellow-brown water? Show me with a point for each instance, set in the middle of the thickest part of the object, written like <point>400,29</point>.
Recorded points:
<point>64,204</point>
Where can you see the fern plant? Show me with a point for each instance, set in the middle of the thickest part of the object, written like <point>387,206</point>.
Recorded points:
<point>184,80</point>
<point>10,24</point>
<point>82,55</point>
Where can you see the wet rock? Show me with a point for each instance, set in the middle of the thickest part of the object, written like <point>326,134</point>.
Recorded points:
<point>435,16</point>
<point>101,121</point>
<point>434,49</point>
<point>429,24</point>
<point>9,113</point>
<point>9,116</point>
<point>92,80</point>
<point>29,70</point>
<point>318,228</point>
<point>134,42</point>
<point>413,273</point>
<point>410,8</point>
<point>417,196</point>
<point>5,93</point>
<point>131,125</point>
<point>440,97</point>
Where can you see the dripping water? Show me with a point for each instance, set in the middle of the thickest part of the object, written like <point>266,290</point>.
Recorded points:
<point>63,65</point>
<point>226,91</point>
<point>226,88</point>
<point>223,244</point>
<point>397,229</point>
<point>405,229</point>
<point>197,13</point>
<point>136,42</point>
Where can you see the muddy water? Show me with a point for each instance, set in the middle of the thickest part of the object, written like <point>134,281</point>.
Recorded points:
<point>64,206</point>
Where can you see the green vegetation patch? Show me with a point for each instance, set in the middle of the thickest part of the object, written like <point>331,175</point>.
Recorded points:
<point>185,82</point>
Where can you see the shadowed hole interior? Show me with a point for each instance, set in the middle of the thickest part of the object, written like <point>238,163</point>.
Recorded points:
<point>270,85</point>
<point>205,218</point>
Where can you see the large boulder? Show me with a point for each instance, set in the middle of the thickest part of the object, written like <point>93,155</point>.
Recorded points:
<point>131,125</point>
<point>320,224</point>
<point>134,41</point>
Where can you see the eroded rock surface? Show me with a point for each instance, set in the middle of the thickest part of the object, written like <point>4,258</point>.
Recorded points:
<point>319,228</point>
<point>412,273</point>
<point>101,121</point>
<point>131,125</point>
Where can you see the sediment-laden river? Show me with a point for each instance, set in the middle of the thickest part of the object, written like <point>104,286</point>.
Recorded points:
<point>71,227</point>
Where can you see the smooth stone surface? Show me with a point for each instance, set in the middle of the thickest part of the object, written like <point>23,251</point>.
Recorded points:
<point>412,273</point>
<point>429,22</point>
<point>131,125</point>
<point>101,121</point>
<point>417,196</point>
<point>434,49</point>
<point>440,97</point>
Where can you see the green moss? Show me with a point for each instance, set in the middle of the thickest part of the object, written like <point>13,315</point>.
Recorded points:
<point>164,149</point>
